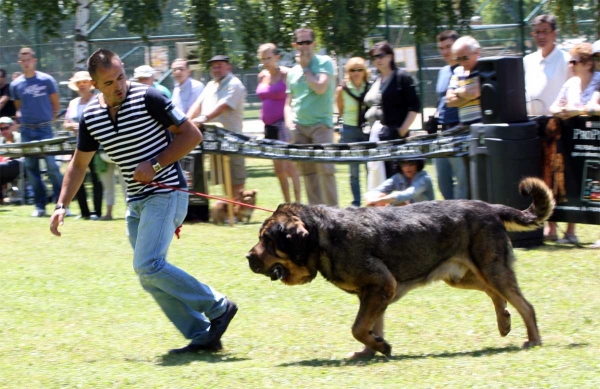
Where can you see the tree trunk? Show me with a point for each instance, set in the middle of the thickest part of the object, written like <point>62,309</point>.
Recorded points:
<point>82,25</point>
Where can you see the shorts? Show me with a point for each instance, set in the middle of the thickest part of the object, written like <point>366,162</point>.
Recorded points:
<point>278,131</point>
<point>238,170</point>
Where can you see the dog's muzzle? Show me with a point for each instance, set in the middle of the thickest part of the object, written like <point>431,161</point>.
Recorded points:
<point>276,272</point>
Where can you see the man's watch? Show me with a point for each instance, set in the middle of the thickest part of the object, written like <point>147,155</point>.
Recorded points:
<point>155,165</point>
<point>59,206</point>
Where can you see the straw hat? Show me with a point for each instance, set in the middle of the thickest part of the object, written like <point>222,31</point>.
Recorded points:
<point>79,76</point>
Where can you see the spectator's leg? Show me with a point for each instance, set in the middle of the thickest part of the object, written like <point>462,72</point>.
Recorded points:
<point>96,189</point>
<point>459,170</point>
<point>308,170</point>
<point>326,171</point>
<point>444,177</point>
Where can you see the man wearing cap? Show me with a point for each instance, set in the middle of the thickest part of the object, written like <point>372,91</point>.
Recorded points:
<point>145,75</point>
<point>7,106</point>
<point>36,95</point>
<point>547,69</point>
<point>187,90</point>
<point>222,101</point>
<point>309,110</point>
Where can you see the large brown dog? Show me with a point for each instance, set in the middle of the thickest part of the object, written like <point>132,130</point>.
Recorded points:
<point>382,253</point>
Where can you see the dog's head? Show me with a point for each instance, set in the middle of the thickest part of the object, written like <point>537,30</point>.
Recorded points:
<point>287,247</point>
<point>248,196</point>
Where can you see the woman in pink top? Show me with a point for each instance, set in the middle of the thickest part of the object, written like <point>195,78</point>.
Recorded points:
<point>271,91</point>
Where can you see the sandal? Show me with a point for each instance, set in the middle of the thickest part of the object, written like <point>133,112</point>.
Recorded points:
<point>550,238</point>
<point>106,217</point>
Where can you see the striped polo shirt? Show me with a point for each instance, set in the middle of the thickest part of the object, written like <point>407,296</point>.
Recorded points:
<point>470,111</point>
<point>138,133</point>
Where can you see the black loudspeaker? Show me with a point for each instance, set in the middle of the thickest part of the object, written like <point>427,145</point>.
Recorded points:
<point>502,81</point>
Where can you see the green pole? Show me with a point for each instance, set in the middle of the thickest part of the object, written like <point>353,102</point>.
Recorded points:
<point>421,92</point>
<point>522,27</point>
<point>387,22</point>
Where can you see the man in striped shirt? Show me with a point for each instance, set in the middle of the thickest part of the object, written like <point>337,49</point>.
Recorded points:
<point>464,89</point>
<point>134,125</point>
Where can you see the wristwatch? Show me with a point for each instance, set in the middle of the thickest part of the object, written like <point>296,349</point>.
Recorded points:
<point>59,206</point>
<point>155,165</point>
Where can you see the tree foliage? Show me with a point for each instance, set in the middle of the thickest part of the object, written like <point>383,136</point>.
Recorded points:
<point>237,27</point>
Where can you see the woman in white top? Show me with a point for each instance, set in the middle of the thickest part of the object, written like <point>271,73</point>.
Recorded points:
<point>81,83</point>
<point>573,100</point>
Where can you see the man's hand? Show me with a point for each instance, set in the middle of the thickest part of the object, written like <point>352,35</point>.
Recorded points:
<point>305,59</point>
<point>144,172</point>
<point>57,219</point>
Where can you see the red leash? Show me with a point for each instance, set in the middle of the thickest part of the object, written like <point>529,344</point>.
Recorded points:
<point>161,185</point>
<point>178,229</point>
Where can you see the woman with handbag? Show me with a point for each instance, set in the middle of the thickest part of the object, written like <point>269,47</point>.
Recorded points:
<point>392,97</point>
<point>350,97</point>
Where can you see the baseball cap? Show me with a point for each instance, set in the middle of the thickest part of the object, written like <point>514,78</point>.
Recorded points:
<point>596,47</point>
<point>216,58</point>
<point>143,71</point>
<point>5,120</point>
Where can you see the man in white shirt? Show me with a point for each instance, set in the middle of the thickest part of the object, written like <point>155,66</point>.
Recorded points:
<point>187,90</point>
<point>222,101</point>
<point>547,69</point>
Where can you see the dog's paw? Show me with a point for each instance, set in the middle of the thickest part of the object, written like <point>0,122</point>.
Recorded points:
<point>504,323</point>
<point>365,353</point>
<point>387,349</point>
<point>532,344</point>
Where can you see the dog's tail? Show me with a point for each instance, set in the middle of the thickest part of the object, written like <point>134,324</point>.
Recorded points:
<point>538,212</point>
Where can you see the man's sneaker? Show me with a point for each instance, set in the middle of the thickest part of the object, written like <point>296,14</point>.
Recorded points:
<point>68,212</point>
<point>39,212</point>
<point>218,325</point>
<point>194,348</point>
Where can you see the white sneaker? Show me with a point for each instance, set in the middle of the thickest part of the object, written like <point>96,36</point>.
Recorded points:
<point>596,245</point>
<point>93,216</point>
<point>39,212</point>
<point>68,212</point>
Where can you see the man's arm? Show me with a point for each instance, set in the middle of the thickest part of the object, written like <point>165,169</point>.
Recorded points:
<point>219,109</point>
<point>55,105</point>
<point>340,101</point>
<point>17,104</point>
<point>317,82</point>
<point>3,100</point>
<point>288,114</point>
<point>408,121</point>
<point>72,181</point>
<point>188,137</point>
<point>194,110</point>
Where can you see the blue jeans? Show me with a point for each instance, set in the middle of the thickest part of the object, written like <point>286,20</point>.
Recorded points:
<point>32,166</point>
<point>447,170</point>
<point>189,304</point>
<point>351,134</point>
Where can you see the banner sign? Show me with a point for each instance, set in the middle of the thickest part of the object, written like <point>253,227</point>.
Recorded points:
<point>571,167</point>
<point>220,141</point>
<point>451,143</point>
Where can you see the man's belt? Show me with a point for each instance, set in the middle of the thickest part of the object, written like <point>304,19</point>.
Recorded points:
<point>37,125</point>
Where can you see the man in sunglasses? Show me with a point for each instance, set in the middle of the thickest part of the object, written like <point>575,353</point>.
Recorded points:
<point>309,110</point>
<point>464,89</point>
<point>547,69</point>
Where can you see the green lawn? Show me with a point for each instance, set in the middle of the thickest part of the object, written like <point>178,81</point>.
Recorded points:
<point>74,316</point>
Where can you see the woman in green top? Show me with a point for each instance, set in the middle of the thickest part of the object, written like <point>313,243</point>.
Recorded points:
<point>350,96</point>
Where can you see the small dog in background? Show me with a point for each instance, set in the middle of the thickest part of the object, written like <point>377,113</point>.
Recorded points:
<point>243,214</point>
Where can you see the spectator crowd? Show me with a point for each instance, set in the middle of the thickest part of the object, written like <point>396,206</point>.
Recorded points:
<point>298,107</point>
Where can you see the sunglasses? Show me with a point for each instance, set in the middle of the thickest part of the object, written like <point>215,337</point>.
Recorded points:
<point>574,62</point>
<point>463,58</point>
<point>4,128</point>
<point>302,43</point>
<point>378,56</point>
<point>356,70</point>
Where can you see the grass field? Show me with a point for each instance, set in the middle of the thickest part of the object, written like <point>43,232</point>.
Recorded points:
<point>74,316</point>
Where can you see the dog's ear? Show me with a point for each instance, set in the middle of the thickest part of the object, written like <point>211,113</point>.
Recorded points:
<point>255,191</point>
<point>241,192</point>
<point>296,227</point>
